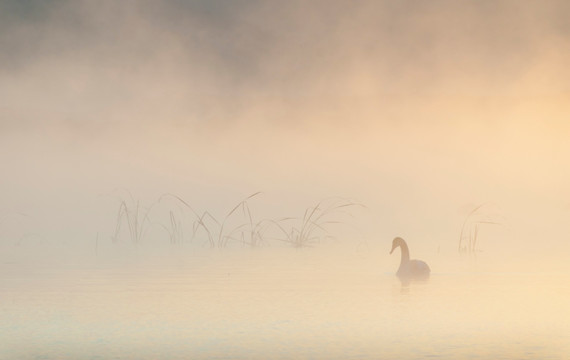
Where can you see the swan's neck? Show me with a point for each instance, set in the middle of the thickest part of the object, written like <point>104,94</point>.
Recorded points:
<point>405,254</point>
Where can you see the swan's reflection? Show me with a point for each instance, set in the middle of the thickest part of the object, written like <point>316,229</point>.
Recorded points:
<point>406,282</point>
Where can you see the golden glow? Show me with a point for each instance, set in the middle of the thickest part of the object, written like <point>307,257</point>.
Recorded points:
<point>420,110</point>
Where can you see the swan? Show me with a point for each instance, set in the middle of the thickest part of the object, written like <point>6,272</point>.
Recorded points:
<point>409,268</point>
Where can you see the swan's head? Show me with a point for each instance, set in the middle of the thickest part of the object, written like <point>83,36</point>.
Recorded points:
<point>398,241</point>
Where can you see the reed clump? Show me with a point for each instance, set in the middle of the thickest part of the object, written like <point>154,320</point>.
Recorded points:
<point>482,215</point>
<point>239,226</point>
<point>134,216</point>
<point>219,233</point>
<point>314,225</point>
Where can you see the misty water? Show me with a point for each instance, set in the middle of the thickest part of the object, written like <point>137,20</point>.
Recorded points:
<point>338,302</point>
<point>147,122</point>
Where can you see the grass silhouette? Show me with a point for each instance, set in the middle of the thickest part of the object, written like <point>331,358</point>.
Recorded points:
<point>238,226</point>
<point>470,229</point>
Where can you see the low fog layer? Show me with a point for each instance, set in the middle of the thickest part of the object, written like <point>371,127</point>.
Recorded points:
<point>419,110</point>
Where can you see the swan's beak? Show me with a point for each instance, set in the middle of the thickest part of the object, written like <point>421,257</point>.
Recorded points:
<point>391,251</point>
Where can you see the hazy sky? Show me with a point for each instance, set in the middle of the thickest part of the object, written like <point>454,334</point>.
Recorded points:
<point>421,110</point>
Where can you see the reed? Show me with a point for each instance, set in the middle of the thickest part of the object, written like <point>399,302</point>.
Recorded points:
<point>238,226</point>
<point>220,233</point>
<point>313,226</point>
<point>198,222</point>
<point>479,216</point>
<point>175,230</point>
<point>135,216</point>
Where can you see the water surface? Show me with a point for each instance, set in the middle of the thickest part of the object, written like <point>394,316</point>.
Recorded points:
<point>278,303</point>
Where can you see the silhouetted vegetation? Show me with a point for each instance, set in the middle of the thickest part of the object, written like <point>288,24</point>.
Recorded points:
<point>240,226</point>
<point>479,216</point>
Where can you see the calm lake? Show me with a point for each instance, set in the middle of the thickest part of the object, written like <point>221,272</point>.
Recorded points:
<point>282,303</point>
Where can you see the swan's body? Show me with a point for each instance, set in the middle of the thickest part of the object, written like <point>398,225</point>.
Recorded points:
<point>409,268</point>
